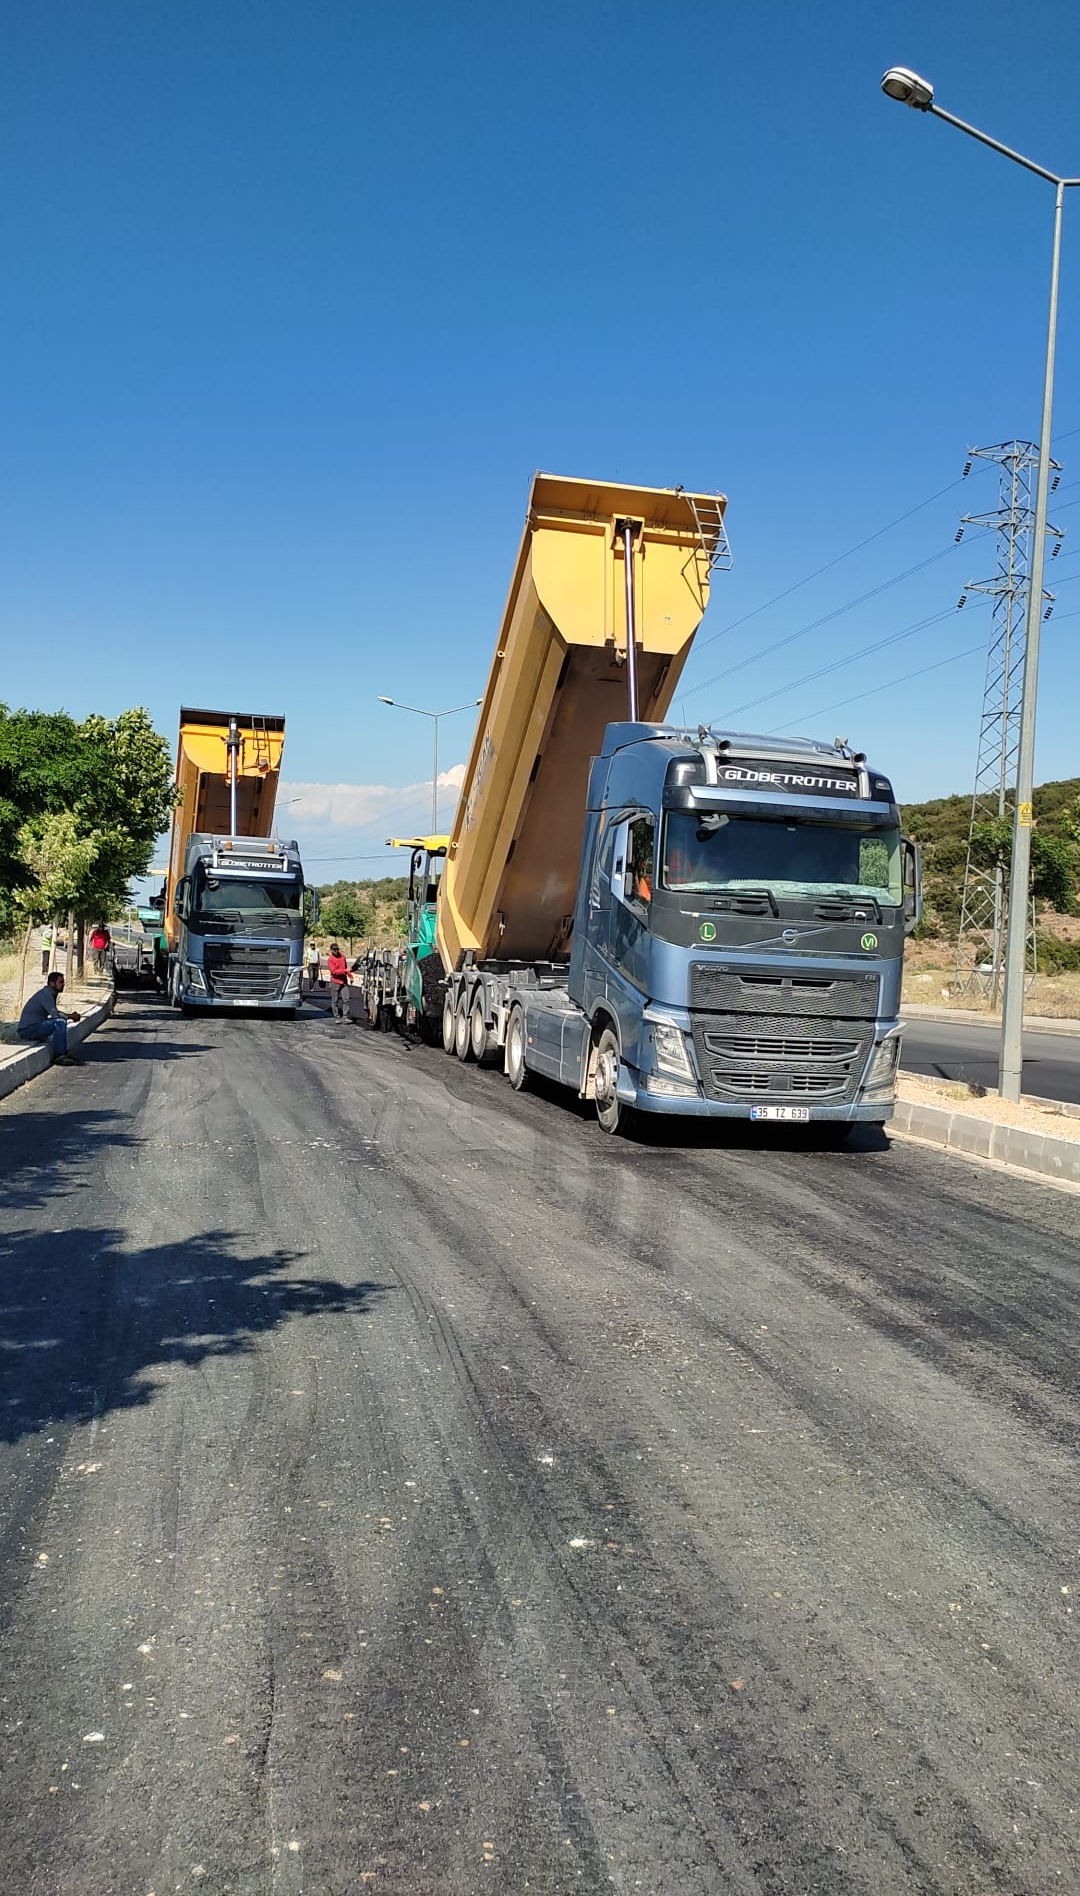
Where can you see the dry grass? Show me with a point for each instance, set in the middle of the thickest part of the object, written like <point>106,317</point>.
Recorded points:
<point>928,978</point>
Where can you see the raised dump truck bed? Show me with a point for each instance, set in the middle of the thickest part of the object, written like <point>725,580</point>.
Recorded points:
<point>204,781</point>
<point>234,897</point>
<point>558,677</point>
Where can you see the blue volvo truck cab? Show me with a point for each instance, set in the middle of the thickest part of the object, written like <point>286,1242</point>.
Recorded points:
<point>240,912</point>
<point>737,943</point>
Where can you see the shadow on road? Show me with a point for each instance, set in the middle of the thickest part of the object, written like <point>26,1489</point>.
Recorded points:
<point>85,1321</point>
<point>44,1155</point>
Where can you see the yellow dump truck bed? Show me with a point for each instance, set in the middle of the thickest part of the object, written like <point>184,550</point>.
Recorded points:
<point>557,679</point>
<point>202,777</point>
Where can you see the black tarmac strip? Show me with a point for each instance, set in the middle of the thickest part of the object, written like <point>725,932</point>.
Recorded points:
<point>405,1486</point>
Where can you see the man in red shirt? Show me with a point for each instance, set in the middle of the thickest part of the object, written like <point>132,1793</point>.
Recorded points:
<point>338,969</point>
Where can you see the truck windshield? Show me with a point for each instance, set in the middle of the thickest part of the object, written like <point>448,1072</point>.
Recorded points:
<point>224,904</point>
<point>796,859</point>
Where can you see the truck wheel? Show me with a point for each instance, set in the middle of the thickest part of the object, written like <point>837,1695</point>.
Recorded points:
<point>462,1033</point>
<point>448,1022</point>
<point>516,1071</point>
<point>610,1111</point>
<point>478,1031</point>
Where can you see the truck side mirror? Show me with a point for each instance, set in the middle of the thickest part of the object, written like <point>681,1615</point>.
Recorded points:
<point>913,900</point>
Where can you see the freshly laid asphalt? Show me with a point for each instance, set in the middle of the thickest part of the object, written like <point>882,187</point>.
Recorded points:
<point>405,1486</point>
<point>966,1050</point>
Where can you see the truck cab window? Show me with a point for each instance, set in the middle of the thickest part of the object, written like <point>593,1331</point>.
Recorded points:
<point>641,851</point>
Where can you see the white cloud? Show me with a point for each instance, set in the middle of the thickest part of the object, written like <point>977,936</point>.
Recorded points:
<point>358,805</point>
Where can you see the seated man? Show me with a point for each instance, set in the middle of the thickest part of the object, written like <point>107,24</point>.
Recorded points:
<point>41,1019</point>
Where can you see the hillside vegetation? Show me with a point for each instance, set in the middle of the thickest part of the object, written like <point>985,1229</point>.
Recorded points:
<point>372,911</point>
<point>941,829</point>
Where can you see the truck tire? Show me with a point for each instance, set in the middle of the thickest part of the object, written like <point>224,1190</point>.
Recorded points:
<point>516,1071</point>
<point>462,1031</point>
<point>610,1111</point>
<point>479,1036</point>
<point>432,990</point>
<point>449,1024</point>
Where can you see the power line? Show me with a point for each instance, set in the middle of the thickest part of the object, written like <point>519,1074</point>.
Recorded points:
<point>829,564</point>
<point>838,561</point>
<point>850,658</point>
<point>839,703</point>
<point>826,619</point>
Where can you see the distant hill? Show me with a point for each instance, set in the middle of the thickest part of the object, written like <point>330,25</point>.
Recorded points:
<point>941,829</point>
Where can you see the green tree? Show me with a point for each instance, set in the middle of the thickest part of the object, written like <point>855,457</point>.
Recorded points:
<point>345,917</point>
<point>125,797</point>
<point>1054,860</point>
<point>39,767</point>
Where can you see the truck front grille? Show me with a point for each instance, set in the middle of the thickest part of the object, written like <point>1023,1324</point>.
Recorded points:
<point>239,971</point>
<point>787,1047</point>
<point>788,1054</point>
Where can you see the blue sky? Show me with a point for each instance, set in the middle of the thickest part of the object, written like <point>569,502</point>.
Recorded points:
<point>299,297</point>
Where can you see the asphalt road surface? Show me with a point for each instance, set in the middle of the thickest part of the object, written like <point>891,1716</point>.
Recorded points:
<point>407,1487</point>
<point>962,1051</point>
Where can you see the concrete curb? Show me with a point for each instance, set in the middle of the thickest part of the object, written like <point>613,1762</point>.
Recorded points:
<point>32,1060</point>
<point>1037,1152</point>
<point>970,1017</point>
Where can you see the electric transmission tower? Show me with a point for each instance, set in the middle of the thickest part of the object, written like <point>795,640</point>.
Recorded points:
<point>980,942</point>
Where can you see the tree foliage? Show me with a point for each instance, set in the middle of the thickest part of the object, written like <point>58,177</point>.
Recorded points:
<point>81,806</point>
<point>941,829</point>
<point>346,917</point>
<point>1053,860</point>
<point>38,774</point>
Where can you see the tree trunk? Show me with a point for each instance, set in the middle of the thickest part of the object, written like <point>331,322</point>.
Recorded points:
<point>70,947</point>
<point>27,938</point>
<point>80,949</point>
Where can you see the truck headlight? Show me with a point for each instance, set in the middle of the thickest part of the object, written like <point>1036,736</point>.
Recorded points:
<point>292,980</point>
<point>670,1045</point>
<point>881,1076</point>
<point>194,977</point>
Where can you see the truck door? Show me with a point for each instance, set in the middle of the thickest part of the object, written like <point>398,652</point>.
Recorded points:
<point>633,874</point>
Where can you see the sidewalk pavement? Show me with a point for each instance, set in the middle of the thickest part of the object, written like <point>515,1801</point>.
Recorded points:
<point>1038,1153</point>
<point>21,1060</point>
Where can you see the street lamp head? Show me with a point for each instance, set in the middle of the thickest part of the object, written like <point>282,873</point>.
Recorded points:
<point>386,701</point>
<point>906,86</point>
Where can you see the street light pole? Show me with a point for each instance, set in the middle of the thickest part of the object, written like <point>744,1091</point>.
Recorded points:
<point>908,88</point>
<point>434,716</point>
<point>1011,1064</point>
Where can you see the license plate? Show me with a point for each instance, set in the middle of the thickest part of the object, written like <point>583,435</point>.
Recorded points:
<point>245,1003</point>
<point>799,1113</point>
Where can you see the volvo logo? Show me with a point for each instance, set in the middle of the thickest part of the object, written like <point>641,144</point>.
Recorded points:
<point>790,934</point>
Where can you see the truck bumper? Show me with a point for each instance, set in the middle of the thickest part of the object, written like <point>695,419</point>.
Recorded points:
<point>632,1091</point>
<point>215,1004</point>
